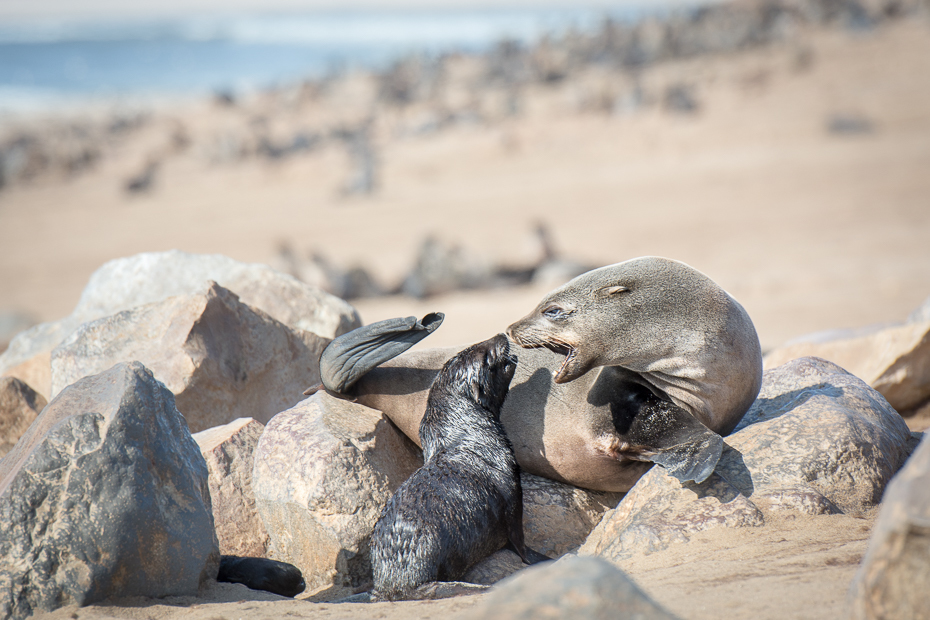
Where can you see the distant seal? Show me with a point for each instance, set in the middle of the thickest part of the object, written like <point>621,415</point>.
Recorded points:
<point>646,361</point>
<point>466,501</point>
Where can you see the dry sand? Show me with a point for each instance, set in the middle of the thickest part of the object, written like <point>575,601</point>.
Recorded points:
<point>807,229</point>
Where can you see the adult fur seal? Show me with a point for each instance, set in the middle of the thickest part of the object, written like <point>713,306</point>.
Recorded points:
<point>466,501</point>
<point>646,361</point>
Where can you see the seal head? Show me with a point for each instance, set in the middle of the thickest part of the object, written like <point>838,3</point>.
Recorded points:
<point>671,327</point>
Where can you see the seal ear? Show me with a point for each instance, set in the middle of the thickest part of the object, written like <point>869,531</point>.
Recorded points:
<point>610,290</point>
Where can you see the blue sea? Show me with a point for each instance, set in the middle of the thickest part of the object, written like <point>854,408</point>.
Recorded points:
<point>48,62</point>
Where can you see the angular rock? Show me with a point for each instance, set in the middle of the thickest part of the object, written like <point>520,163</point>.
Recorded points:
<point>229,451</point>
<point>573,587</point>
<point>19,406</point>
<point>150,277</point>
<point>324,470</point>
<point>105,496</point>
<point>894,360</point>
<point>816,441</point>
<point>558,517</point>
<point>892,580</point>
<point>222,359</point>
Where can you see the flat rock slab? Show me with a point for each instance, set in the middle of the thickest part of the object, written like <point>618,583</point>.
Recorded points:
<point>894,580</point>
<point>150,277</point>
<point>894,360</point>
<point>229,451</point>
<point>573,587</point>
<point>105,496</point>
<point>221,358</point>
<point>19,406</point>
<point>323,471</point>
<point>817,441</point>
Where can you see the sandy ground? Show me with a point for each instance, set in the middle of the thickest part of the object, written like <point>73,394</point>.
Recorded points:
<point>799,569</point>
<point>808,230</point>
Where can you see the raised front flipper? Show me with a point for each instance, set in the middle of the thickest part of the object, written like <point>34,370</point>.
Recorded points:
<point>350,356</point>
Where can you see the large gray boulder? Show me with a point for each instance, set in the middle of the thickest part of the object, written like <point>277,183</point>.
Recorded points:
<point>323,471</point>
<point>229,451</point>
<point>105,496</point>
<point>19,406</point>
<point>895,359</point>
<point>573,587</point>
<point>816,441</point>
<point>125,283</point>
<point>221,358</point>
<point>893,579</point>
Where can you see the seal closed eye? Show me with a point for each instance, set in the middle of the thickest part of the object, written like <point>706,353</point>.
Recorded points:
<point>466,501</point>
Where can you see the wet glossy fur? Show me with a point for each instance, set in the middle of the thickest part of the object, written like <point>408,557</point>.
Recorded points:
<point>466,501</point>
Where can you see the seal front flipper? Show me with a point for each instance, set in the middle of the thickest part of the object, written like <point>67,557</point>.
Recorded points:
<point>677,441</point>
<point>694,460</point>
<point>350,356</point>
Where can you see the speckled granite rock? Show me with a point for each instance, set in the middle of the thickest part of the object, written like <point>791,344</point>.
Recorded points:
<point>573,587</point>
<point>19,406</point>
<point>557,517</point>
<point>324,469</point>
<point>892,582</point>
<point>222,358</point>
<point>105,496</point>
<point>229,451</point>
<point>150,277</point>
<point>816,441</point>
<point>493,568</point>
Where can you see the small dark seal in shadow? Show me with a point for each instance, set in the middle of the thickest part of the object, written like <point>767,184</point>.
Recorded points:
<point>262,574</point>
<point>466,501</point>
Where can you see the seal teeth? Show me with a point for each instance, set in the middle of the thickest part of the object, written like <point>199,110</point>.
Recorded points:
<point>569,356</point>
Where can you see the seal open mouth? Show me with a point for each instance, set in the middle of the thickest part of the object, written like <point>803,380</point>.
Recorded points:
<point>556,346</point>
<point>559,376</point>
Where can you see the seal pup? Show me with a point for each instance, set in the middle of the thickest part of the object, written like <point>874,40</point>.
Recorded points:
<point>466,501</point>
<point>688,366</point>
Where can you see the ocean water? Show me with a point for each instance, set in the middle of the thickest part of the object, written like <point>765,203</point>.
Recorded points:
<point>49,62</point>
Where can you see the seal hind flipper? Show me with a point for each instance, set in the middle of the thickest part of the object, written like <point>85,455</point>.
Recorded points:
<point>350,356</point>
<point>262,574</point>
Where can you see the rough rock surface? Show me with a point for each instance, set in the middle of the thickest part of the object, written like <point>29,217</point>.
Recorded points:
<point>894,360</point>
<point>222,359</point>
<point>816,441</point>
<point>323,471</point>
<point>229,451</point>
<point>125,283</point>
<point>558,517</point>
<point>19,406</point>
<point>105,496</point>
<point>892,582</point>
<point>497,566</point>
<point>573,587</point>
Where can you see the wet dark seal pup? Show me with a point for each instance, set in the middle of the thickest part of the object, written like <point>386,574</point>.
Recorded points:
<point>646,361</point>
<point>466,501</point>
